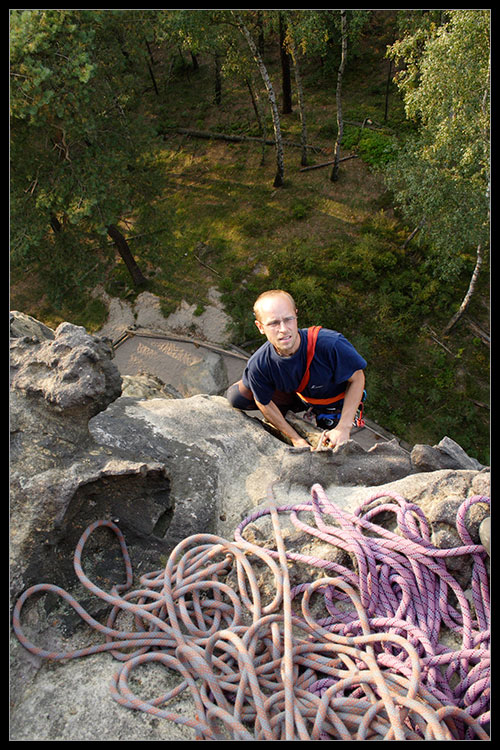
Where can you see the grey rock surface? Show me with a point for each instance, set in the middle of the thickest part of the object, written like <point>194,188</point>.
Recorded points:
<point>163,468</point>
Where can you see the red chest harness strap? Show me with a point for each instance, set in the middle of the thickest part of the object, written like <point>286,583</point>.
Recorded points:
<point>312,337</point>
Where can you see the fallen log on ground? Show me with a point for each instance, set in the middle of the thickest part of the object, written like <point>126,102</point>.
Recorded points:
<point>235,138</point>
<point>326,163</point>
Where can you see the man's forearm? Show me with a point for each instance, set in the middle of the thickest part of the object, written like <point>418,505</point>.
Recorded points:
<point>273,415</point>
<point>352,399</point>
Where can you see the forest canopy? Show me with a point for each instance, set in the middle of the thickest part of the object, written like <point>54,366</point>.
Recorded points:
<point>342,154</point>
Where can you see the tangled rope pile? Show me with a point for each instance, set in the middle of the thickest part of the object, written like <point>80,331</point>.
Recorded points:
<point>372,669</point>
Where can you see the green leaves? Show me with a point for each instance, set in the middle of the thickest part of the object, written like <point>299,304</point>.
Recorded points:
<point>79,142</point>
<point>50,54</point>
<point>442,175</point>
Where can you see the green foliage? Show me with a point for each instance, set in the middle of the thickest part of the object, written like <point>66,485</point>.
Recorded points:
<point>79,144</point>
<point>375,148</point>
<point>299,210</point>
<point>442,174</point>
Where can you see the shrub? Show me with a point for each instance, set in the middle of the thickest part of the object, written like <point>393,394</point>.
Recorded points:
<point>376,149</point>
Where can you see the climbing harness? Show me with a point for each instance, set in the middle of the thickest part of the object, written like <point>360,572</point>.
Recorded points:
<point>312,337</point>
<point>264,665</point>
<point>329,419</point>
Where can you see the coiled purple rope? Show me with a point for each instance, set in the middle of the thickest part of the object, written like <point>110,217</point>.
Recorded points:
<point>373,668</point>
<point>405,588</point>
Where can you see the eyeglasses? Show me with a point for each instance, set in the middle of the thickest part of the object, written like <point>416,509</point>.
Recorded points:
<point>275,324</point>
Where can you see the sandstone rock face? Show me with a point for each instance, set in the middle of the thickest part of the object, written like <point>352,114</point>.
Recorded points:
<point>244,457</point>
<point>445,455</point>
<point>162,467</point>
<point>69,371</point>
<point>59,379</point>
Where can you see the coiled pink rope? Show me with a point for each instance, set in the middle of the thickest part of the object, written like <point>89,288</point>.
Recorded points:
<point>372,668</point>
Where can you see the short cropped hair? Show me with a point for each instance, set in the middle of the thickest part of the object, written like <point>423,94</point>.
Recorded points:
<point>271,293</point>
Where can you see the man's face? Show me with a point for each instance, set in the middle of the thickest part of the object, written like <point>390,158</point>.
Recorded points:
<point>277,320</point>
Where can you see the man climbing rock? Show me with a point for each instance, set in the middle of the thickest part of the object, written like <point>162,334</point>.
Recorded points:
<point>298,369</point>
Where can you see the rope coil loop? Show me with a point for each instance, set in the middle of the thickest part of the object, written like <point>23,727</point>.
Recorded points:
<point>352,655</point>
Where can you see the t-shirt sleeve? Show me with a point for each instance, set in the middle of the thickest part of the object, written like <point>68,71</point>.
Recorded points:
<point>344,358</point>
<point>348,360</point>
<point>255,379</point>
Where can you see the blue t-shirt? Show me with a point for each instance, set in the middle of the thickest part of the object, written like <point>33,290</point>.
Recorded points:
<point>335,360</point>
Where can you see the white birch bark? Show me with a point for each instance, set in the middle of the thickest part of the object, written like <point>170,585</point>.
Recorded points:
<point>280,172</point>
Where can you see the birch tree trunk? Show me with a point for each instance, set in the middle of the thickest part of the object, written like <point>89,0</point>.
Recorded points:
<point>340,121</point>
<point>285,69</point>
<point>470,291</point>
<point>258,116</point>
<point>302,109</point>
<point>280,172</point>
